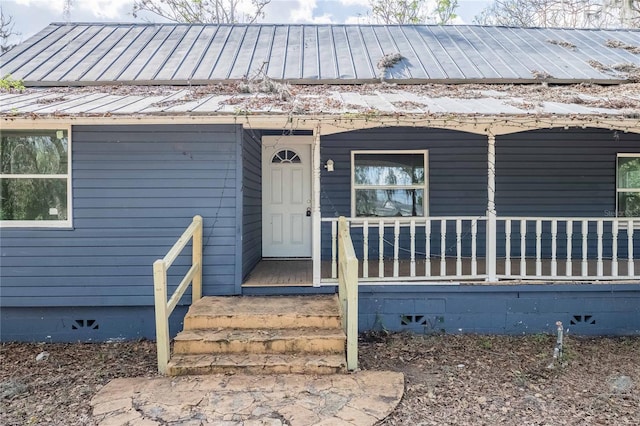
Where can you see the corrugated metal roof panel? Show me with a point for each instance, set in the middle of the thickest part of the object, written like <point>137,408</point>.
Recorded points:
<point>436,100</point>
<point>82,54</point>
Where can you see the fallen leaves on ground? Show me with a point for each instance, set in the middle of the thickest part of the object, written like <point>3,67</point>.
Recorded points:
<point>491,380</point>
<point>449,379</point>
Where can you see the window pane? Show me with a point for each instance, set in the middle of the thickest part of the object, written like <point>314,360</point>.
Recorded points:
<point>389,169</point>
<point>628,172</point>
<point>392,202</point>
<point>33,152</point>
<point>285,156</point>
<point>629,204</point>
<point>33,199</point>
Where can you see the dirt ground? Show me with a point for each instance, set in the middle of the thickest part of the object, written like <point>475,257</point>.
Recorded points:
<point>449,380</point>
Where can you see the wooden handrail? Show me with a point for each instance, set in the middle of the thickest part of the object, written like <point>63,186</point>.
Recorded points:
<point>348,291</point>
<point>163,307</point>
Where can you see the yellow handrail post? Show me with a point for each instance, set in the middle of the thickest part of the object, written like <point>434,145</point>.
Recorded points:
<point>352,315</point>
<point>348,291</point>
<point>162,320</point>
<point>164,307</point>
<point>196,292</point>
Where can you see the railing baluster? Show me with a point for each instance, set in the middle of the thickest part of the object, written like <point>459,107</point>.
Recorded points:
<point>396,248</point>
<point>427,248</point>
<point>474,236</point>
<point>614,248</point>
<point>365,249</point>
<point>334,250</point>
<point>554,247</point>
<point>458,247</point>
<point>569,267</point>
<point>381,248</point>
<point>585,247</point>
<point>630,270</point>
<point>599,267</point>
<point>538,248</point>
<point>443,248</point>
<point>523,247</point>
<point>403,261</point>
<point>507,247</point>
<point>412,234</point>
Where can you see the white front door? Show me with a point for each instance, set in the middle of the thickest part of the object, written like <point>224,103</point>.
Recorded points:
<point>286,201</point>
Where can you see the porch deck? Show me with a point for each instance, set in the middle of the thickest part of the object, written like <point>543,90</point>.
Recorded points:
<point>298,272</point>
<point>281,273</point>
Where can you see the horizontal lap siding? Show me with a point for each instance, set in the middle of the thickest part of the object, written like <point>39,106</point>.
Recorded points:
<point>559,172</point>
<point>252,201</point>
<point>135,190</point>
<point>564,173</point>
<point>457,176</point>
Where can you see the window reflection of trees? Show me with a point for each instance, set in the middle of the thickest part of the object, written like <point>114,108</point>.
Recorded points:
<point>389,184</point>
<point>629,180</point>
<point>31,164</point>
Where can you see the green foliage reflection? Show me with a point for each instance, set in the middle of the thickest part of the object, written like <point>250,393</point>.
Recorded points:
<point>33,170</point>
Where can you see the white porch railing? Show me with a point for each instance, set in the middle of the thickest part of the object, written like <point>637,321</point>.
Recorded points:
<point>348,291</point>
<point>556,248</point>
<point>416,248</point>
<point>526,248</point>
<point>194,275</point>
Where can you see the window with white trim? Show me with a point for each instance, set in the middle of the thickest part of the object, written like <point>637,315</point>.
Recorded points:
<point>628,185</point>
<point>389,183</point>
<point>35,178</point>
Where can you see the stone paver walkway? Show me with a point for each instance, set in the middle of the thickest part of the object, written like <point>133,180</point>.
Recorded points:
<point>358,399</point>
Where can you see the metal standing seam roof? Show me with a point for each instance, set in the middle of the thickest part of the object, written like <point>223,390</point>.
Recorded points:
<point>389,100</point>
<point>191,54</point>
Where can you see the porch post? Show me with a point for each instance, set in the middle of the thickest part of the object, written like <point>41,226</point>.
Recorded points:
<point>491,252</point>
<point>316,227</point>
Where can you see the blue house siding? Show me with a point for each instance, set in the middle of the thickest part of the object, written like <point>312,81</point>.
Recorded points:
<point>457,176</point>
<point>135,190</point>
<point>564,173</point>
<point>558,172</point>
<point>551,172</point>
<point>252,200</point>
<point>497,309</point>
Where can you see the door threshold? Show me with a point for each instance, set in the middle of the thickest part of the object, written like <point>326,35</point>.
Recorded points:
<point>263,284</point>
<point>270,259</point>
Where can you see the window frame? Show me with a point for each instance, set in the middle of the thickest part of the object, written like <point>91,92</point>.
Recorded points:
<point>424,186</point>
<point>58,224</point>
<point>622,190</point>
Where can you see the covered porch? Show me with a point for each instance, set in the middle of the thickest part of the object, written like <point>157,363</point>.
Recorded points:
<point>528,214</point>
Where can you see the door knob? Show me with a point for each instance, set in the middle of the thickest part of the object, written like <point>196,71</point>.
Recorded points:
<point>308,211</point>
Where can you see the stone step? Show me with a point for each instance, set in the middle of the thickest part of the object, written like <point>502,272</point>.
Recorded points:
<point>182,364</point>
<point>264,341</point>
<point>255,312</point>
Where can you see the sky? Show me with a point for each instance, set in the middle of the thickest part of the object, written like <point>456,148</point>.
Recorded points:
<point>30,16</point>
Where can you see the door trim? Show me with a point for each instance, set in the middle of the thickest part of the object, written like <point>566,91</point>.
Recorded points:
<point>284,142</point>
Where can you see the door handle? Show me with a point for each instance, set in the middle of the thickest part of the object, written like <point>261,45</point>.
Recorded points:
<point>308,211</point>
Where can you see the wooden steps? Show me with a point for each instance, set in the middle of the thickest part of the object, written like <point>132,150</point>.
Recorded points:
<point>261,335</point>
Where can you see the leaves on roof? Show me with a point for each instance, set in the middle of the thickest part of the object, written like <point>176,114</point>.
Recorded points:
<point>340,99</point>
<point>615,44</point>
<point>563,43</point>
<point>389,60</point>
